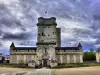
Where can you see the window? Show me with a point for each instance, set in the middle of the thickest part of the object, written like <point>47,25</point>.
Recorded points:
<point>48,27</point>
<point>42,34</point>
<point>48,35</point>
<point>53,32</point>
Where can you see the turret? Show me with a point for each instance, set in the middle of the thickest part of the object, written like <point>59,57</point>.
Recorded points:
<point>80,46</point>
<point>12,46</point>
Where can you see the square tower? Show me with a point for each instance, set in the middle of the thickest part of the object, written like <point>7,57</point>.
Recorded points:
<point>46,40</point>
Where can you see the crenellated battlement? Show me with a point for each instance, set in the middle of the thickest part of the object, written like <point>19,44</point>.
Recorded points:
<point>46,21</point>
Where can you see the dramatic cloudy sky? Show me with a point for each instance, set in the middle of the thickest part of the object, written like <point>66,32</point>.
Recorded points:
<point>79,20</point>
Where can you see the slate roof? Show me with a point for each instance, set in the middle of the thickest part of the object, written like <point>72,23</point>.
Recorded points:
<point>12,45</point>
<point>66,48</point>
<point>25,48</point>
<point>79,45</point>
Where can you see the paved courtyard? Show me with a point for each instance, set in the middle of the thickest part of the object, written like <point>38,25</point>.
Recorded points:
<point>65,71</point>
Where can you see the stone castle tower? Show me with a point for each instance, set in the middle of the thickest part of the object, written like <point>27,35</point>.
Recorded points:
<point>48,38</point>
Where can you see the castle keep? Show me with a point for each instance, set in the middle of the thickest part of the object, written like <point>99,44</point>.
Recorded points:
<point>48,50</point>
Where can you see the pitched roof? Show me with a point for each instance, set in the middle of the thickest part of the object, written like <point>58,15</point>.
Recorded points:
<point>25,48</point>
<point>12,45</point>
<point>66,48</point>
<point>79,45</point>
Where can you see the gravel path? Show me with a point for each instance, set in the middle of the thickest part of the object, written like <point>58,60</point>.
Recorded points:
<point>65,71</point>
<point>78,71</point>
<point>12,70</point>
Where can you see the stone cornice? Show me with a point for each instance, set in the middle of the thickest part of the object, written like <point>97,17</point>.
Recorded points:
<point>65,53</point>
<point>23,53</point>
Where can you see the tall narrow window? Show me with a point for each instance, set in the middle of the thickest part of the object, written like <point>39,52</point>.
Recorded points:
<point>45,50</point>
<point>42,34</point>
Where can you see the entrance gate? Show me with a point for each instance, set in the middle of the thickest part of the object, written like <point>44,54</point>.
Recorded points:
<point>45,63</point>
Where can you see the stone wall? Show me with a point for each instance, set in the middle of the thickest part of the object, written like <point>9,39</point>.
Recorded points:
<point>69,58</point>
<point>24,59</point>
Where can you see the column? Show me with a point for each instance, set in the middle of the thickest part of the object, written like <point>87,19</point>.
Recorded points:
<point>68,59</point>
<point>81,58</point>
<point>61,59</point>
<point>25,59</point>
<point>97,57</point>
<point>17,58</point>
<point>74,58</point>
<point>10,59</point>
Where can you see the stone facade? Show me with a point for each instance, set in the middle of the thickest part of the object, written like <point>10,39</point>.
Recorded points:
<point>98,55</point>
<point>48,51</point>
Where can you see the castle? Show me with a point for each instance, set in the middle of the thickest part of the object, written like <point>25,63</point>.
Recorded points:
<point>48,51</point>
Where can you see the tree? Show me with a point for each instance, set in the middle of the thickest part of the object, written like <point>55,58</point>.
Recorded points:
<point>91,50</point>
<point>89,56</point>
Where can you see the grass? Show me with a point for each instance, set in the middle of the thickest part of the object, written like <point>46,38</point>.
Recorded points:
<point>14,66</point>
<point>56,67</point>
<point>74,65</point>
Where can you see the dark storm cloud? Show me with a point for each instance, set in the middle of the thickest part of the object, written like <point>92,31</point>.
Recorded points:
<point>82,32</point>
<point>10,22</point>
<point>21,36</point>
<point>96,17</point>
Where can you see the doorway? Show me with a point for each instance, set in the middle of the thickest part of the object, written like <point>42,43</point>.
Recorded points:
<point>45,61</point>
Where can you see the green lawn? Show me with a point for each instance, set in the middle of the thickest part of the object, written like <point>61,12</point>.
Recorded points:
<point>74,65</point>
<point>56,67</point>
<point>14,66</point>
